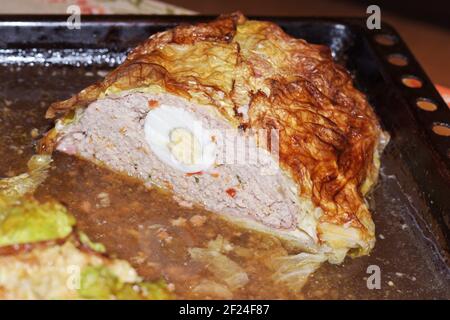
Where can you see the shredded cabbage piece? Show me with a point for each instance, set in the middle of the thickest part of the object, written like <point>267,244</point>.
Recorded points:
<point>99,282</point>
<point>213,288</point>
<point>44,271</point>
<point>96,246</point>
<point>24,220</point>
<point>222,267</point>
<point>26,183</point>
<point>294,270</point>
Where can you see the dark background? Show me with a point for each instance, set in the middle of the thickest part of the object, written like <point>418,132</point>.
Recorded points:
<point>436,12</point>
<point>424,25</point>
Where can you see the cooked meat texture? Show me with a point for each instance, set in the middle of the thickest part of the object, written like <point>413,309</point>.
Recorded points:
<point>111,132</point>
<point>256,77</point>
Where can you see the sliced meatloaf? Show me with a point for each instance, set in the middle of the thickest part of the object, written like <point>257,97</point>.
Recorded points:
<point>240,118</point>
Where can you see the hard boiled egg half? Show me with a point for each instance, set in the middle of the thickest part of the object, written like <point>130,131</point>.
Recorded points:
<point>176,136</point>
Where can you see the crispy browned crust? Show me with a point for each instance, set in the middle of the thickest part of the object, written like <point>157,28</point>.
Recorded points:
<point>328,131</point>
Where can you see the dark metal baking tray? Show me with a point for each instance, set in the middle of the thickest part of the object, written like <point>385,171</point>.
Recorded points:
<point>41,61</point>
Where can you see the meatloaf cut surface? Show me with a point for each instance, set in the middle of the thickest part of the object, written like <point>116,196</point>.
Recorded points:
<point>238,117</point>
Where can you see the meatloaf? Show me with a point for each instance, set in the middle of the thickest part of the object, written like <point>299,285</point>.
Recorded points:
<point>242,119</point>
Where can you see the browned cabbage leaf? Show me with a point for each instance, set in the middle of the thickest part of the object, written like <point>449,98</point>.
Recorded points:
<point>259,77</point>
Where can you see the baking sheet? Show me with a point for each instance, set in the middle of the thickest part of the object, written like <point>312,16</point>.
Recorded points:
<point>42,61</point>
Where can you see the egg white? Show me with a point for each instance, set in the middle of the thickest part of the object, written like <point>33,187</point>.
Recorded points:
<point>158,126</point>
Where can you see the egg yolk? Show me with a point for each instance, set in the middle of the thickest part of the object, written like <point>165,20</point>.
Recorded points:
<point>184,146</point>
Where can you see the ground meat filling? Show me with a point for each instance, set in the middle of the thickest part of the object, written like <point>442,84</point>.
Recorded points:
<point>111,132</point>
